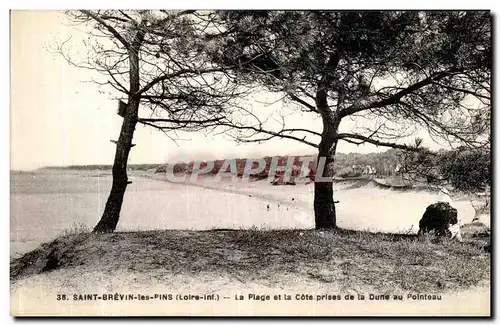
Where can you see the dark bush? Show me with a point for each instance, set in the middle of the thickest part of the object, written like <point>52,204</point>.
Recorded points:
<point>467,170</point>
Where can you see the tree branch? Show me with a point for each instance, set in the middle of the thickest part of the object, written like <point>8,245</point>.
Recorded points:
<point>152,120</point>
<point>174,75</point>
<point>108,27</point>
<point>301,101</point>
<point>464,91</point>
<point>348,137</point>
<point>272,134</point>
<point>393,99</point>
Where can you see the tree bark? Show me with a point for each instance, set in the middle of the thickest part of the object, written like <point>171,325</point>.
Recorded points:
<point>111,215</point>
<point>324,207</point>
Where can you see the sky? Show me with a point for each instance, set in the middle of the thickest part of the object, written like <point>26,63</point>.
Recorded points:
<point>58,117</point>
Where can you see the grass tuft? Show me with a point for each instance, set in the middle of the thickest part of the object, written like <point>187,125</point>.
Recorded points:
<point>76,228</point>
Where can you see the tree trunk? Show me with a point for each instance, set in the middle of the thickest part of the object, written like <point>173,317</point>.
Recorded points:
<point>111,215</point>
<point>324,206</point>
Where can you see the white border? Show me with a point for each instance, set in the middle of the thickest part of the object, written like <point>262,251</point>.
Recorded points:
<point>186,4</point>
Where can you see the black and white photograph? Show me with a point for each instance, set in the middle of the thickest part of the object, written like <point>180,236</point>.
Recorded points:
<point>250,163</point>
